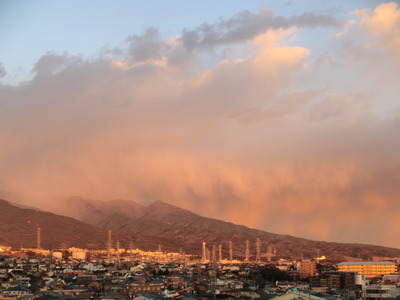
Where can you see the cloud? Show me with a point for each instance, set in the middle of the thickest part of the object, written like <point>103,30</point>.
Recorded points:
<point>383,24</point>
<point>3,72</point>
<point>146,46</point>
<point>50,63</point>
<point>265,139</point>
<point>245,26</point>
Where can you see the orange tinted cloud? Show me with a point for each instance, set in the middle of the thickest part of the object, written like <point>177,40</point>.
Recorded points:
<point>384,24</point>
<point>265,139</point>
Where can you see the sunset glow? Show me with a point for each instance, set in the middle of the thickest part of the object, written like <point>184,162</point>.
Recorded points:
<point>280,118</point>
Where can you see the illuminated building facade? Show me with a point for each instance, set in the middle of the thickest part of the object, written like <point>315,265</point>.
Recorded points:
<point>369,269</point>
<point>308,268</point>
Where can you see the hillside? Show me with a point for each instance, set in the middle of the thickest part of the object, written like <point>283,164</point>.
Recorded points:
<point>18,227</point>
<point>182,228</point>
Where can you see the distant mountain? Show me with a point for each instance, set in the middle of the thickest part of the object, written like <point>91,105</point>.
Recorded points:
<point>94,212</point>
<point>18,228</point>
<point>182,228</point>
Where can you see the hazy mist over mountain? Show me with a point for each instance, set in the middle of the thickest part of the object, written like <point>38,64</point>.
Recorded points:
<point>279,115</point>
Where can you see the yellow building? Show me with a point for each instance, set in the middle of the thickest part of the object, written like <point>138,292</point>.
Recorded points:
<point>368,268</point>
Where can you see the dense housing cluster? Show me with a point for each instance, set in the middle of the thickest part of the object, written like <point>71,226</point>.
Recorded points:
<point>88,274</point>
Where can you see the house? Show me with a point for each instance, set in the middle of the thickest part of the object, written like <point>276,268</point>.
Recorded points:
<point>243,292</point>
<point>18,290</point>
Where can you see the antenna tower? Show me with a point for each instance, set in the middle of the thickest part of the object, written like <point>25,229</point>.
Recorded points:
<point>247,258</point>
<point>204,253</point>
<point>214,252</point>
<point>258,254</point>
<point>230,250</point>
<point>118,258</point>
<point>180,253</point>
<point>39,237</point>
<point>109,245</point>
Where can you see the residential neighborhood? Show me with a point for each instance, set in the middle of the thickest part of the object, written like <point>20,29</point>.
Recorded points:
<point>134,274</point>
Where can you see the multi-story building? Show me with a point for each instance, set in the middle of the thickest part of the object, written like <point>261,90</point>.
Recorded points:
<point>380,292</point>
<point>308,268</point>
<point>369,269</point>
<point>339,280</point>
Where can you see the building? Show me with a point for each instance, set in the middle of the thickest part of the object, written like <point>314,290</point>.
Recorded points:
<point>380,292</point>
<point>4,248</point>
<point>308,268</point>
<point>338,280</point>
<point>347,280</point>
<point>369,269</point>
<point>298,295</point>
<point>57,254</point>
<point>79,255</point>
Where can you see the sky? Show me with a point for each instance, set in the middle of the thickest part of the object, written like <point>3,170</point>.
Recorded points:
<point>278,115</point>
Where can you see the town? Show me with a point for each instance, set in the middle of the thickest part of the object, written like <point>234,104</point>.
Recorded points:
<point>135,274</point>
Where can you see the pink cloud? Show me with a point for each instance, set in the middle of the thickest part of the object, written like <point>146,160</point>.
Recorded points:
<point>261,140</point>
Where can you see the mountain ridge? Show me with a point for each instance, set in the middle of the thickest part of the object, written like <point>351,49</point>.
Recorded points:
<point>18,228</point>
<point>162,219</point>
<point>162,224</point>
